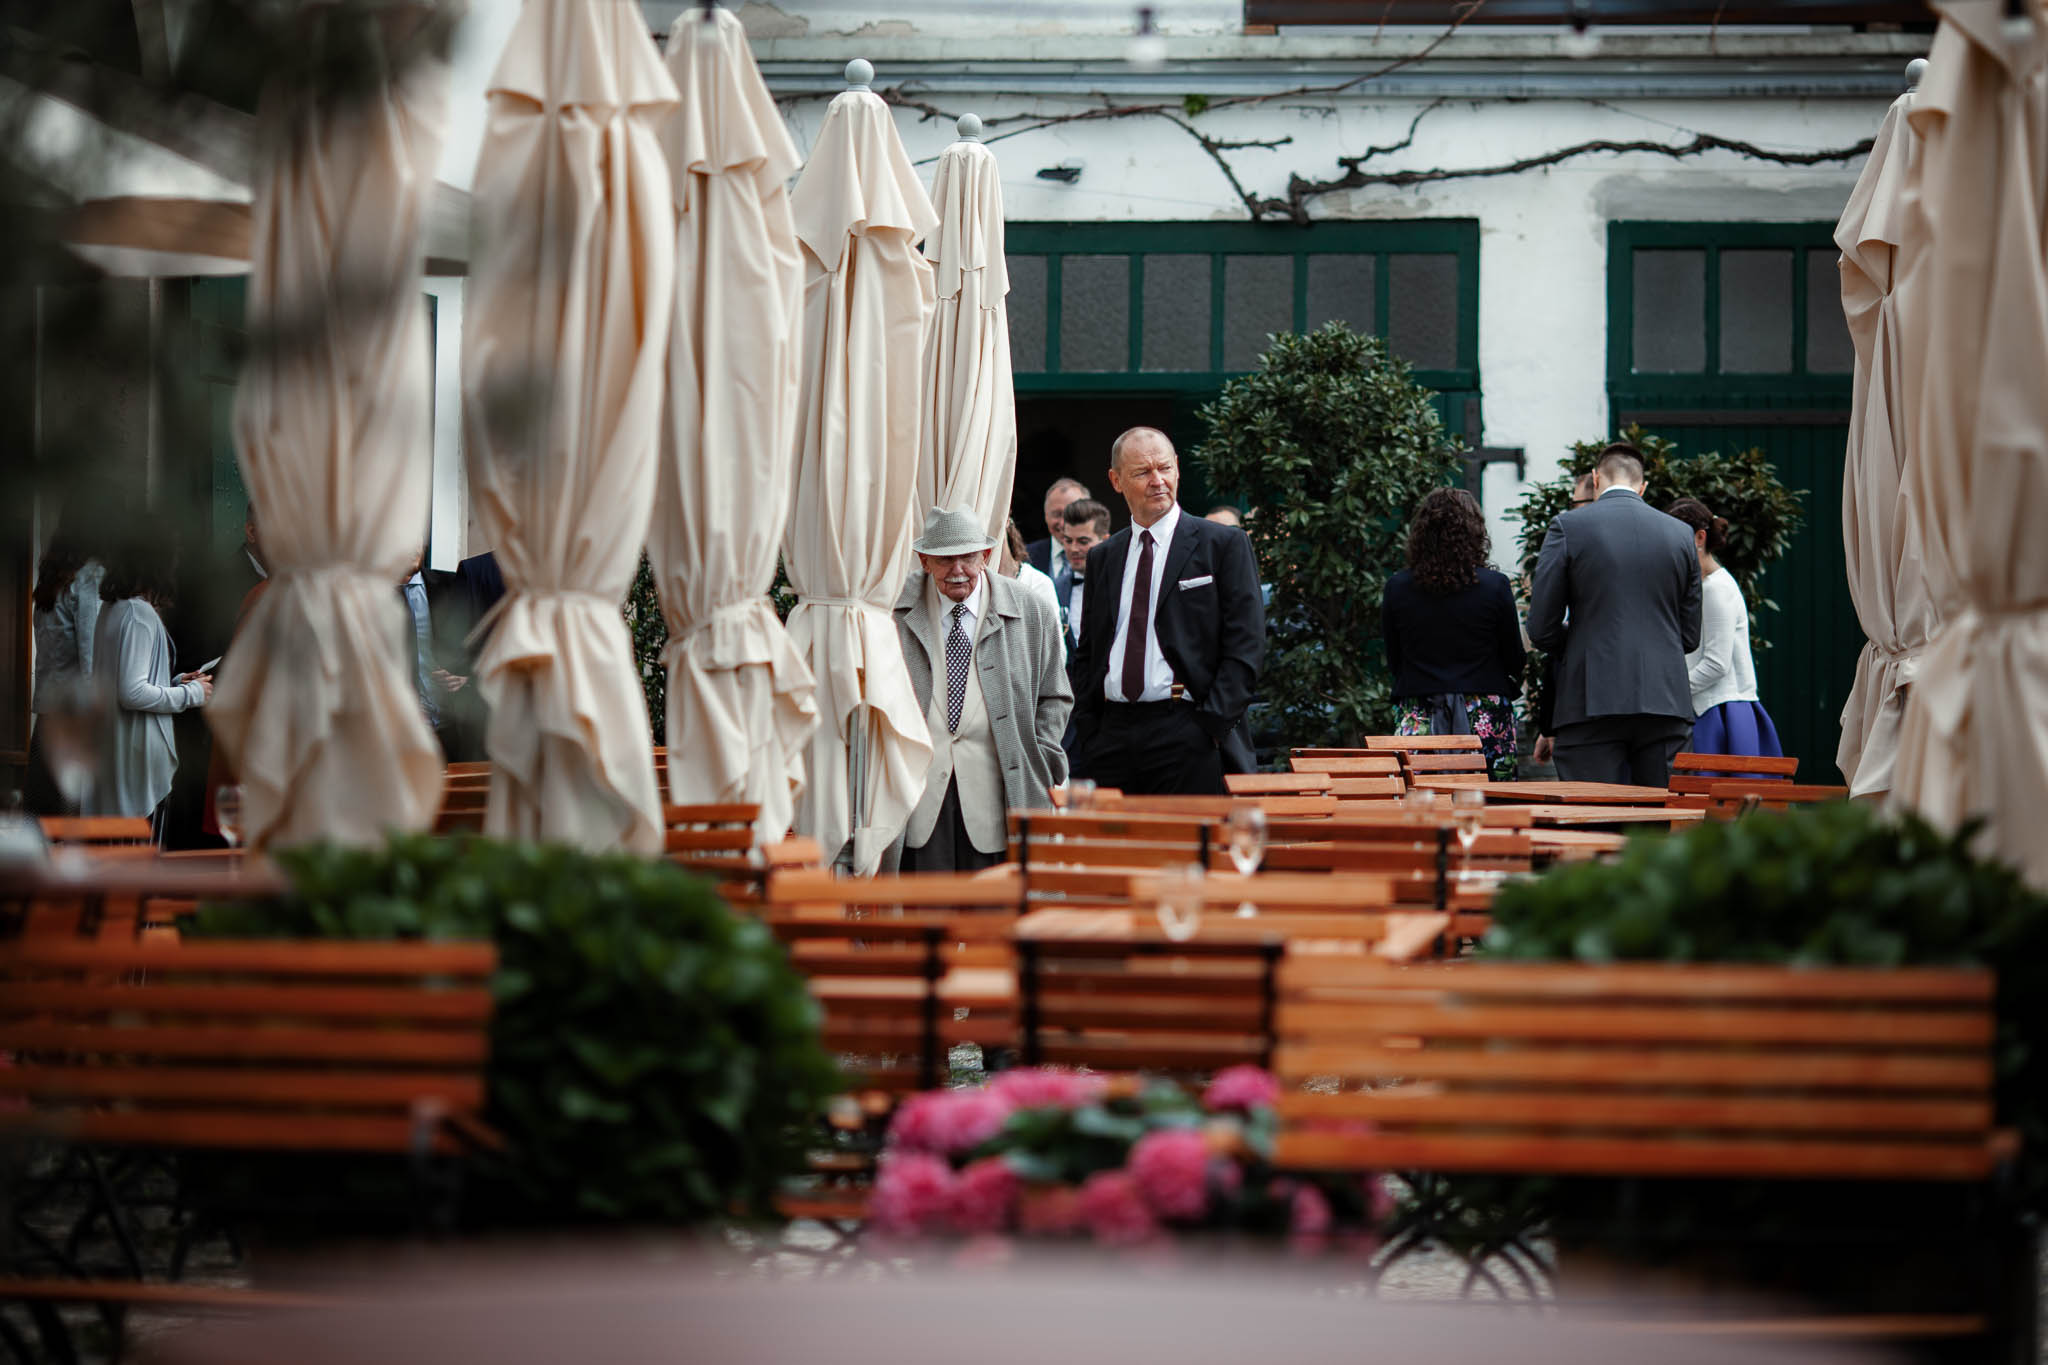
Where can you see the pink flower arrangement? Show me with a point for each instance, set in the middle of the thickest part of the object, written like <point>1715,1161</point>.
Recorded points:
<point>1048,1088</point>
<point>1050,1211</point>
<point>913,1194</point>
<point>948,1122</point>
<point>983,1196</point>
<point>1308,1213</point>
<point>1115,1211</point>
<point>1242,1088</point>
<point>1171,1168</point>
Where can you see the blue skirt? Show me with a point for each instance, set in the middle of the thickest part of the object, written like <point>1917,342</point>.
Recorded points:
<point>1736,727</point>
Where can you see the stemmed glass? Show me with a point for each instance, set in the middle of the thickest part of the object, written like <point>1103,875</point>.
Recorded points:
<point>69,721</point>
<point>1180,902</point>
<point>1418,804</point>
<point>1247,831</point>
<point>227,813</point>
<point>1080,793</point>
<point>1468,813</point>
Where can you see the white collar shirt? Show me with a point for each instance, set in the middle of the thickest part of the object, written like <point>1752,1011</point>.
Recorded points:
<point>941,608</point>
<point>1158,673</point>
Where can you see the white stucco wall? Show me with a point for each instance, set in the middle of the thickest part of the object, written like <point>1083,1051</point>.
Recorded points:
<point>1542,324</point>
<point>1543,238</point>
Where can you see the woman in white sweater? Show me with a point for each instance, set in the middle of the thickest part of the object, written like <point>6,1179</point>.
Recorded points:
<point>1723,675</point>
<point>132,663</point>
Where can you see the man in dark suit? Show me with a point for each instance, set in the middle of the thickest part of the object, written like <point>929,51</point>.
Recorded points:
<point>1172,637</point>
<point>1629,578</point>
<point>458,599</point>
<point>1041,553</point>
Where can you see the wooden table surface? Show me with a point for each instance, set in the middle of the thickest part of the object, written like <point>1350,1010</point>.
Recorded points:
<point>1569,793</point>
<point>1574,845</point>
<point>1597,816</point>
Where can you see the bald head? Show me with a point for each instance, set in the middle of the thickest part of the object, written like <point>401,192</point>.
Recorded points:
<point>1145,470</point>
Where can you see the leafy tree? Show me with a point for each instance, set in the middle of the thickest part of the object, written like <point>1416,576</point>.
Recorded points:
<point>642,611</point>
<point>1330,445</point>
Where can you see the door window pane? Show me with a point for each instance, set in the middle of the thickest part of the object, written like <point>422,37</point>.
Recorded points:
<point>1095,314</point>
<point>1828,348</point>
<point>1176,319</point>
<point>1258,299</point>
<point>1340,289</point>
<point>1027,313</point>
<point>1756,312</point>
<point>1422,310</point>
<point>1670,315</point>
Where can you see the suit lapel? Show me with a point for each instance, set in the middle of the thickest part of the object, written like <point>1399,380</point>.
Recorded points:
<point>1110,591</point>
<point>1177,557</point>
<point>914,609</point>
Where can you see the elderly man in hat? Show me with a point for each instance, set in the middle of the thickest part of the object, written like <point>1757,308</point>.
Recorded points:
<point>987,661</point>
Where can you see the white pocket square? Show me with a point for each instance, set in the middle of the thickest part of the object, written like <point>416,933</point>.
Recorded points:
<point>1202,582</point>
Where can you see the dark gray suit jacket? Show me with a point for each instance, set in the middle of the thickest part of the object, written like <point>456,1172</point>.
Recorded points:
<point>1631,580</point>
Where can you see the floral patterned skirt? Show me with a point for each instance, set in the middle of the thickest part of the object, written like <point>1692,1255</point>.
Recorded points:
<point>1492,719</point>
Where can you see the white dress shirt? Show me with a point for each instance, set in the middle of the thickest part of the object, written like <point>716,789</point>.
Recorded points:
<point>1158,673</point>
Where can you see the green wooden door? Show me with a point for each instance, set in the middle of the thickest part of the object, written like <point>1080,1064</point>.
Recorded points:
<point>1727,337</point>
<point>1114,325</point>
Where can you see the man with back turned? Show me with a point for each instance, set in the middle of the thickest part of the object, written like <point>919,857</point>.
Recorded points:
<point>1629,578</point>
<point>1172,638</point>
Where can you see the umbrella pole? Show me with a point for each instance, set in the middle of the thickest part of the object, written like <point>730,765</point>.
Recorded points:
<point>856,781</point>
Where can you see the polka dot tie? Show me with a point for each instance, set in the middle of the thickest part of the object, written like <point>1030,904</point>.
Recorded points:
<point>957,649</point>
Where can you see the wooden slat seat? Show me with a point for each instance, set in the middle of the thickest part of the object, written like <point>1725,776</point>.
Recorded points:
<point>1437,765</point>
<point>1639,1070</point>
<point>247,1045</point>
<point>1730,798</point>
<point>1277,784</point>
<point>1218,808</point>
<point>96,830</point>
<point>1421,744</point>
<point>1360,764</point>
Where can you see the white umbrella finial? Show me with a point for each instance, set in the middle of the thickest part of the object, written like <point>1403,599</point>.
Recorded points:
<point>968,126</point>
<point>1916,71</point>
<point>859,72</point>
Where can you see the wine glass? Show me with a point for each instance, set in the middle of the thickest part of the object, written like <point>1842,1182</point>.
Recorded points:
<point>1418,804</point>
<point>1080,793</point>
<point>227,813</point>
<point>1180,902</point>
<point>1468,813</point>
<point>1247,832</point>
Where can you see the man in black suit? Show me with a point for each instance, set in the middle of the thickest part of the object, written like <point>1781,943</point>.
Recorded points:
<point>1630,580</point>
<point>1041,553</point>
<point>1172,637</point>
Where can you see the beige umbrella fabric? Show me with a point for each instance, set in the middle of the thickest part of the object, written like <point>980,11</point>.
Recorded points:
<point>968,448</point>
<point>314,707</point>
<point>740,696</point>
<point>1880,530</point>
<point>1973,743</point>
<point>867,304</point>
<point>562,370</point>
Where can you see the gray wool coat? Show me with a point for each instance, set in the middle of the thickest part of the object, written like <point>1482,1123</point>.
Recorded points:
<point>1021,661</point>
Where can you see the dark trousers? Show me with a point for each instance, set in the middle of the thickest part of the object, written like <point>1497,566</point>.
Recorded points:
<point>949,849</point>
<point>1155,748</point>
<point>1630,749</point>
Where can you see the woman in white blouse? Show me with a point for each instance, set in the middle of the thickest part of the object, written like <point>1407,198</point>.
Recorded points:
<point>1723,675</point>
<point>132,661</point>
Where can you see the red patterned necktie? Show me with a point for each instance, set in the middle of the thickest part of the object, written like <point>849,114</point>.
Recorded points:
<point>1140,621</point>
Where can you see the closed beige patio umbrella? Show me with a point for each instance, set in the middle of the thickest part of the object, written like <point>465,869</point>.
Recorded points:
<point>867,304</point>
<point>562,369</point>
<point>315,708</point>
<point>968,446</point>
<point>1880,531</point>
<point>740,697</point>
<point>1973,743</point>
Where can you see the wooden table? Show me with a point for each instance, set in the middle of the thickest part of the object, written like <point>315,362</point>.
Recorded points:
<point>1574,845</point>
<point>1569,793</point>
<point>1597,816</point>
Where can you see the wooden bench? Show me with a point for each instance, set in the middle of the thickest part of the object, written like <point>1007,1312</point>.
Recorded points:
<point>1693,775</point>
<point>1277,784</point>
<point>1345,763</point>
<point>1662,1072</point>
<point>1728,800</point>
<point>236,1046</point>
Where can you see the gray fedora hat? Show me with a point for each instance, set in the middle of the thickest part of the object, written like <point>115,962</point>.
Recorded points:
<point>952,531</point>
